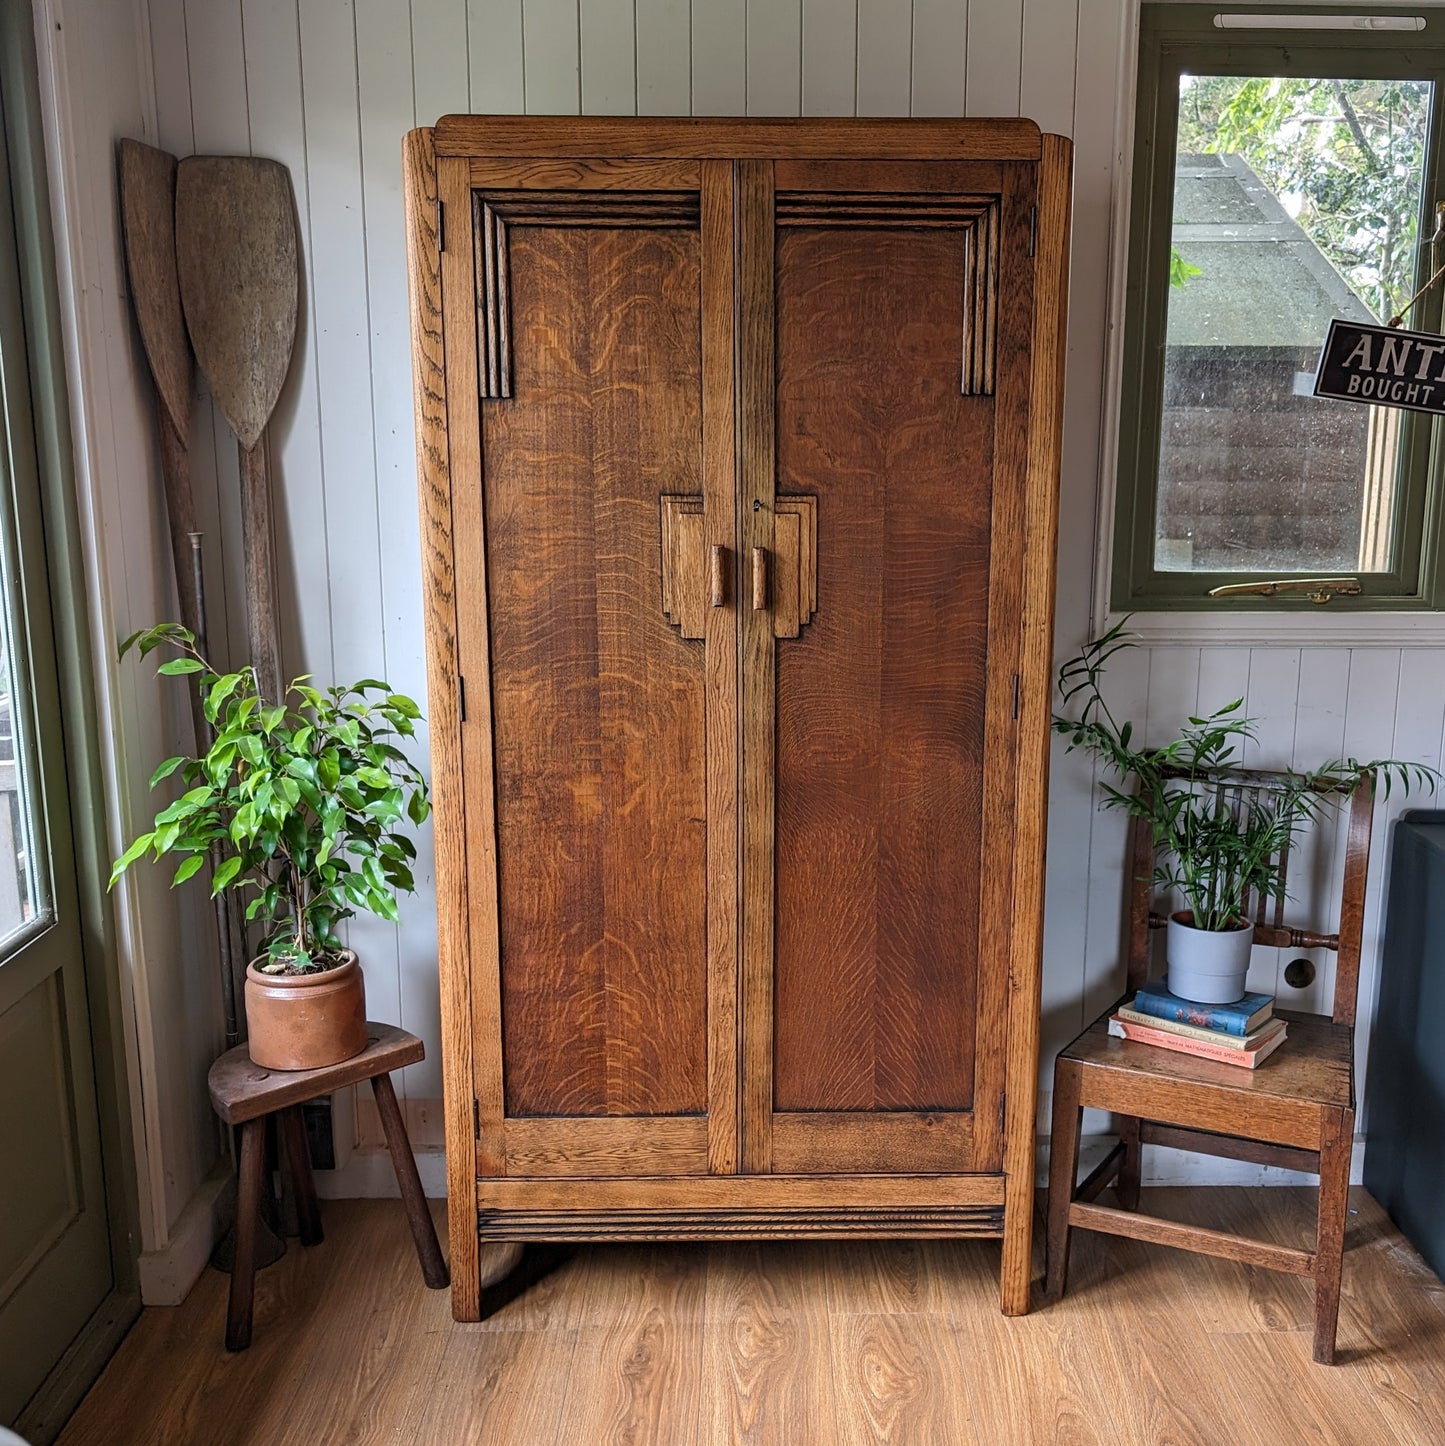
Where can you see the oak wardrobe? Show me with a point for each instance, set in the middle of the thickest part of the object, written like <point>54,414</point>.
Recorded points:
<point>738,448</point>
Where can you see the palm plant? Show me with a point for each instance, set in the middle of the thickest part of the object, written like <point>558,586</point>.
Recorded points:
<point>1217,847</point>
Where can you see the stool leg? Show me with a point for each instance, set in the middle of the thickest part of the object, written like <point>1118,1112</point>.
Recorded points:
<point>298,1157</point>
<point>423,1232</point>
<point>248,1208</point>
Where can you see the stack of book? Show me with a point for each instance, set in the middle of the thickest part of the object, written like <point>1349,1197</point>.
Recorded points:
<point>1243,1033</point>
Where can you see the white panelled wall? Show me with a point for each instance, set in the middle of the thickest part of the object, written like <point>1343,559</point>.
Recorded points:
<point>329,87</point>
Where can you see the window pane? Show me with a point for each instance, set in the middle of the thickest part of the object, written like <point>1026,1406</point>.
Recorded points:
<point>20,888</point>
<point>1295,200</point>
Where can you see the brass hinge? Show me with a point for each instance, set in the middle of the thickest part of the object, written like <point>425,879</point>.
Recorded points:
<point>462,697</point>
<point>1017,686</point>
<point>476,1119</point>
<point>441,225</point>
<point>1316,589</point>
<point>1033,229</point>
<point>1002,1110</point>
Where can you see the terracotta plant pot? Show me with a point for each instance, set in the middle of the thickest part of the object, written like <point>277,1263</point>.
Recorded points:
<point>304,1021</point>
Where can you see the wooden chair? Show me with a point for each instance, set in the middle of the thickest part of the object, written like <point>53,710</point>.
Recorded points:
<point>243,1094</point>
<point>1297,1109</point>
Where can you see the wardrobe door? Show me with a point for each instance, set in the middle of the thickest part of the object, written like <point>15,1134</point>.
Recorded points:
<point>588,322</point>
<point>885,348</point>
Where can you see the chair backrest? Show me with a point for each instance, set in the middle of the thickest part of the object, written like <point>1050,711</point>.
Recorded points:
<point>1244,788</point>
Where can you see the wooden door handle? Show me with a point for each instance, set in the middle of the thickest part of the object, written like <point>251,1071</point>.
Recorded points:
<point>760,579</point>
<point>717,576</point>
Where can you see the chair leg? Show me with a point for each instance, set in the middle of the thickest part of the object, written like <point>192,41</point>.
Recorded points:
<point>1335,1148</point>
<point>423,1232</point>
<point>1063,1174</point>
<point>298,1158</point>
<point>248,1208</point>
<point>1126,1186</point>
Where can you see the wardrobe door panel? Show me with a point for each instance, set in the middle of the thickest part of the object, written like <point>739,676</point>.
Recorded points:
<point>886,320</point>
<point>592,583</point>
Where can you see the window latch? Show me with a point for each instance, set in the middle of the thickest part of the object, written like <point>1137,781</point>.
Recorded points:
<point>1316,589</point>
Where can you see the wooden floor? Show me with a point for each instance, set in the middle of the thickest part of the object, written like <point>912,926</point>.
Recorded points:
<point>818,1345</point>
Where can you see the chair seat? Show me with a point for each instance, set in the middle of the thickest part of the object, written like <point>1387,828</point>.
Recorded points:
<point>242,1091</point>
<point>1312,1069</point>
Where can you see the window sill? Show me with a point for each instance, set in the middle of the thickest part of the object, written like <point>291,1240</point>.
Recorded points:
<point>1320,629</point>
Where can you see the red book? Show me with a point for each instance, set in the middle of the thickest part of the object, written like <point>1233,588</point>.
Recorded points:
<point>1202,1048</point>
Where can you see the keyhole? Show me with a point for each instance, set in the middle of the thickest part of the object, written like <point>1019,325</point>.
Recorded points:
<point>757,504</point>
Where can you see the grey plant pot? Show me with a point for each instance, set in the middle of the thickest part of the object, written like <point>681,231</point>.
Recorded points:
<point>1207,966</point>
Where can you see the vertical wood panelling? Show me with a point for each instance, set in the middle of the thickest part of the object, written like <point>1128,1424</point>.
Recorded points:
<point>995,57</point>
<point>339,316</point>
<point>553,62</point>
<point>885,52</point>
<point>719,57</point>
<point>273,81</point>
<point>494,57</point>
<point>940,54</point>
<point>214,48</point>
<point>385,107</point>
<point>1046,70</point>
<point>609,57</point>
<point>441,41</point>
<point>830,57</point>
<point>775,64</point>
<point>328,87</point>
<point>664,57</point>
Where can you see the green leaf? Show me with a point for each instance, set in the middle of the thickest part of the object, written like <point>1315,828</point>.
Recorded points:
<point>177,666</point>
<point>225,872</point>
<point>166,769</point>
<point>130,856</point>
<point>188,867</point>
<point>220,691</point>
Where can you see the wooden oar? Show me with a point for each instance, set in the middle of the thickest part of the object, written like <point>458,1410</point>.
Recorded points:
<point>236,255</point>
<point>148,217</point>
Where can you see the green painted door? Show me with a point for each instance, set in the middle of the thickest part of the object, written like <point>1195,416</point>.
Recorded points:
<point>55,1260</point>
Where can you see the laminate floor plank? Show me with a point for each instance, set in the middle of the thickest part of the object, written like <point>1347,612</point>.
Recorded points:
<point>798,1344</point>
<point>638,1370</point>
<point>767,1368</point>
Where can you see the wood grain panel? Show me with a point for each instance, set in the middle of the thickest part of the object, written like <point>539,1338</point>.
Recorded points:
<point>827,1142</point>
<point>880,701</point>
<point>759,1194</point>
<point>429,391</point>
<point>598,703</point>
<point>670,1145</point>
<point>548,173</point>
<point>558,135</point>
<point>720,526</point>
<point>1041,529</point>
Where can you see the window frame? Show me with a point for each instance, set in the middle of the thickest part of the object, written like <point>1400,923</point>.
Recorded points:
<point>1176,38</point>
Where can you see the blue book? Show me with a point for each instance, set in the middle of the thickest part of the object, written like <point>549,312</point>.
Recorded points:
<point>1241,1017</point>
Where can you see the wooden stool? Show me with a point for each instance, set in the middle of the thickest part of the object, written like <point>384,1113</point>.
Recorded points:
<point>244,1094</point>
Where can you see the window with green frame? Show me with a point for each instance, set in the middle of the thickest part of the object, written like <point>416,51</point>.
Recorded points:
<point>1287,166</point>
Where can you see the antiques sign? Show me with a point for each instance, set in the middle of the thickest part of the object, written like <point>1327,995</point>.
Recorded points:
<point>1384,366</point>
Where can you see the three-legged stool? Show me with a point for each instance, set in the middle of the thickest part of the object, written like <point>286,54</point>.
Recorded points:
<point>244,1094</point>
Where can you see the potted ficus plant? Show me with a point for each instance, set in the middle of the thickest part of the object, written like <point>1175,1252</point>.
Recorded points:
<point>300,804</point>
<point>1214,850</point>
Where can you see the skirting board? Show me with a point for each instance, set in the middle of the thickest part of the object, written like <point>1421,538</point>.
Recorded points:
<point>167,1275</point>
<point>368,1175</point>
